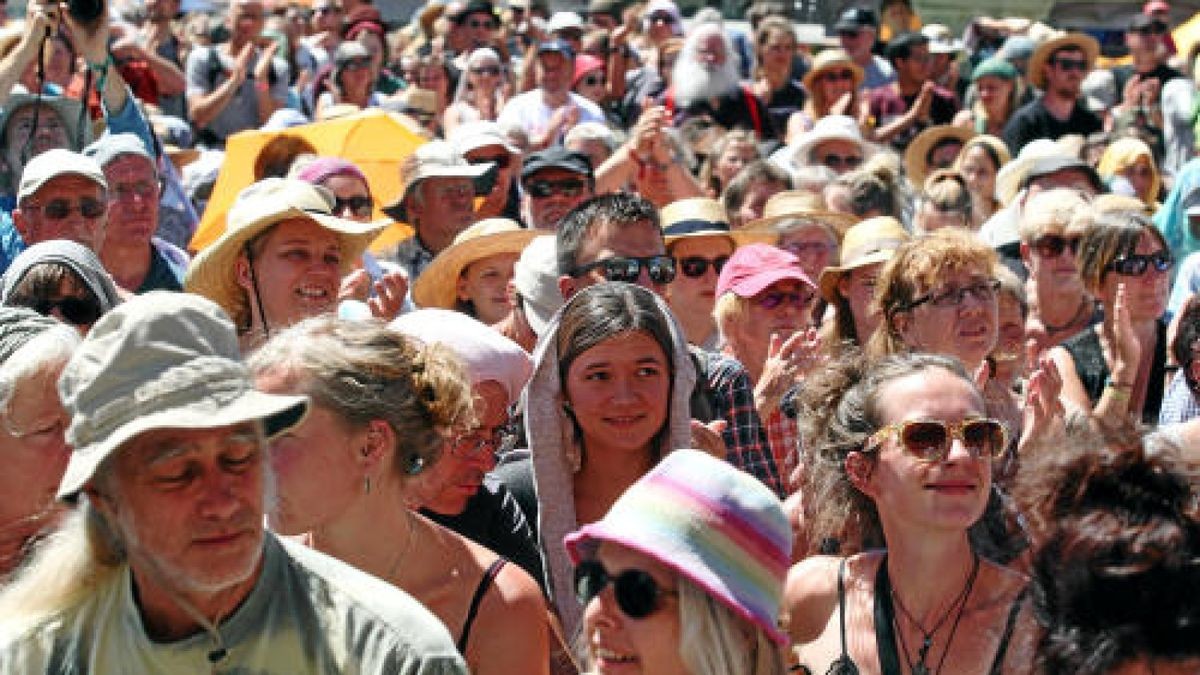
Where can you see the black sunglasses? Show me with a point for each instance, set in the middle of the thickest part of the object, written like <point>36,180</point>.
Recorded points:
<point>59,209</point>
<point>1053,245</point>
<point>660,268</point>
<point>359,205</point>
<point>541,189</point>
<point>501,161</point>
<point>1071,64</point>
<point>638,595</point>
<point>1135,265</point>
<point>695,266</point>
<point>77,311</point>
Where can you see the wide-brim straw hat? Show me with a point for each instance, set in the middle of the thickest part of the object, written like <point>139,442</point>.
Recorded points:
<point>874,240</point>
<point>830,59</point>
<point>799,205</point>
<point>1041,54</point>
<point>703,217</point>
<point>916,156</point>
<point>159,361</point>
<point>258,207</point>
<point>438,284</point>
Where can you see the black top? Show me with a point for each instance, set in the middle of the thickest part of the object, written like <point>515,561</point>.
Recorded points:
<point>784,101</point>
<point>1092,370</point>
<point>1034,121</point>
<point>159,276</point>
<point>739,109</point>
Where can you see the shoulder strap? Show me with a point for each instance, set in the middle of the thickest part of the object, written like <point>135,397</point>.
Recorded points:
<point>1009,625</point>
<point>885,638</point>
<point>843,664</point>
<point>485,583</point>
<point>752,104</point>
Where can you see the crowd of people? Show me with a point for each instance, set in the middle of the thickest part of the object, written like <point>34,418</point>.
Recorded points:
<point>669,347</point>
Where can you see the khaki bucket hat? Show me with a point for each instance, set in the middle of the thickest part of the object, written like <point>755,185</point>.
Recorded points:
<point>258,207</point>
<point>159,361</point>
<point>438,284</point>
<point>874,240</point>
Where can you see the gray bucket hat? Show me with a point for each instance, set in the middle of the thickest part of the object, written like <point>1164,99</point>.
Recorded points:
<point>159,361</point>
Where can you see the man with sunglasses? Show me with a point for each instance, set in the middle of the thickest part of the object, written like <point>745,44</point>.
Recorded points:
<point>902,109</point>
<point>617,237</point>
<point>484,143</point>
<point>1057,67</point>
<point>63,195</point>
<point>553,182</point>
<point>137,260</point>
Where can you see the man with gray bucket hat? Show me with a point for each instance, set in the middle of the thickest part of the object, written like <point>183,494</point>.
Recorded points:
<point>164,566</point>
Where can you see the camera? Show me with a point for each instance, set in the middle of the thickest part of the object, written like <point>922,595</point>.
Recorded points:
<point>86,11</point>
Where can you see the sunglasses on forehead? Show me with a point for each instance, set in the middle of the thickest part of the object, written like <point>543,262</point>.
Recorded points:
<point>660,269</point>
<point>930,440</point>
<point>637,594</point>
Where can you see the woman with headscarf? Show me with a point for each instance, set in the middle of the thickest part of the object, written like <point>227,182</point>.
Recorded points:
<point>63,279</point>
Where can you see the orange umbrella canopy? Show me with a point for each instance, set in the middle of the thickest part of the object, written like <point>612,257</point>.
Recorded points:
<point>376,141</point>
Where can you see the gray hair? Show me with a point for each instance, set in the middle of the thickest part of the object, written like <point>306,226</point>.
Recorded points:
<point>591,131</point>
<point>50,350</point>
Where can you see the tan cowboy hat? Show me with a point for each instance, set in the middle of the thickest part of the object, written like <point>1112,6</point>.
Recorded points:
<point>871,241</point>
<point>827,60</point>
<point>703,217</point>
<point>803,205</point>
<point>257,208</point>
<point>438,284</point>
<point>916,156</point>
<point>1036,72</point>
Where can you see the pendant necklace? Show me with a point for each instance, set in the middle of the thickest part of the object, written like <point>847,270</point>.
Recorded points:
<point>921,666</point>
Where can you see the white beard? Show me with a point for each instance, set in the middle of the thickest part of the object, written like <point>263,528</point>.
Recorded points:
<point>693,82</point>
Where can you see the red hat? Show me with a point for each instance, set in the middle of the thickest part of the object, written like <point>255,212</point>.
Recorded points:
<point>584,64</point>
<point>754,267</point>
<point>1155,6</point>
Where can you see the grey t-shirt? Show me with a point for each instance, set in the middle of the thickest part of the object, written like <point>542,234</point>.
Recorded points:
<point>208,68</point>
<point>308,613</point>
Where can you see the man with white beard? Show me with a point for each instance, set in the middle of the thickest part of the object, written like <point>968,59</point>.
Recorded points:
<point>705,83</point>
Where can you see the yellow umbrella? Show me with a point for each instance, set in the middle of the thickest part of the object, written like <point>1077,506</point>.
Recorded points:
<point>374,140</point>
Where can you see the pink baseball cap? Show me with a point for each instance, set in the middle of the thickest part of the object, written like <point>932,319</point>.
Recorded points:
<point>754,267</point>
<point>1155,6</point>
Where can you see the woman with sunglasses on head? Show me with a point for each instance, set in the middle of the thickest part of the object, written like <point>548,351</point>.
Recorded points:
<point>683,575</point>
<point>1117,368</point>
<point>899,456</point>
<point>764,314</point>
<point>607,401</point>
<point>62,279</point>
<point>381,408</point>
<point>481,93</point>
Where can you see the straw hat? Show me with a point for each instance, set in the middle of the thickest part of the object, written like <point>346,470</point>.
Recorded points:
<point>869,242</point>
<point>703,217</point>
<point>828,60</point>
<point>799,204</point>
<point>1036,70</point>
<point>438,284</point>
<point>257,208</point>
<point>916,157</point>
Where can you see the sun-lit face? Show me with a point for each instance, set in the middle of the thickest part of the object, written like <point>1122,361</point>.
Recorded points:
<point>952,322</point>
<point>1146,294</point>
<point>295,275</point>
<point>484,283</point>
<point>979,171</point>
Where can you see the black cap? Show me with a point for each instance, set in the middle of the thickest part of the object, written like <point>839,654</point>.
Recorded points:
<point>855,18</point>
<point>475,7</point>
<point>1046,166</point>
<point>557,157</point>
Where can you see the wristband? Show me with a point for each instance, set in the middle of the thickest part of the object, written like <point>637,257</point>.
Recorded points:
<point>1113,384</point>
<point>1118,394</point>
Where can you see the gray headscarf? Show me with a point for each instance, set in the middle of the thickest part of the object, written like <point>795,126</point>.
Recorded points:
<point>79,258</point>
<point>18,326</point>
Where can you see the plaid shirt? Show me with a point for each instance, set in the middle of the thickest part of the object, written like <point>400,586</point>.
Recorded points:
<point>783,436</point>
<point>745,437</point>
<point>412,257</point>
<point>1178,405</point>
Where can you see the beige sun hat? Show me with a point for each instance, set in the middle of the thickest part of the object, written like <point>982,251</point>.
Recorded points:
<point>802,205</point>
<point>874,240</point>
<point>829,59</point>
<point>438,284</point>
<point>159,361</point>
<point>1041,54</point>
<point>1012,175</point>
<point>703,217</point>
<point>437,159</point>
<point>916,156</point>
<point>257,208</point>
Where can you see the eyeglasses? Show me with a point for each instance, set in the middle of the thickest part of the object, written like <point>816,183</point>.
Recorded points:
<point>592,80</point>
<point>60,209</point>
<point>359,205</point>
<point>486,70</point>
<point>1135,265</point>
<point>835,75</point>
<point>541,189</point>
<point>804,248</point>
<point>637,594</point>
<point>1070,64</point>
<point>1053,245</point>
<point>474,446</point>
<point>77,311</point>
<point>501,161</point>
<point>930,440</point>
<point>660,17</point>
<point>773,299</point>
<point>983,291</point>
<point>836,162</point>
<point>660,268</point>
<point>695,267</point>
<point>126,192</point>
